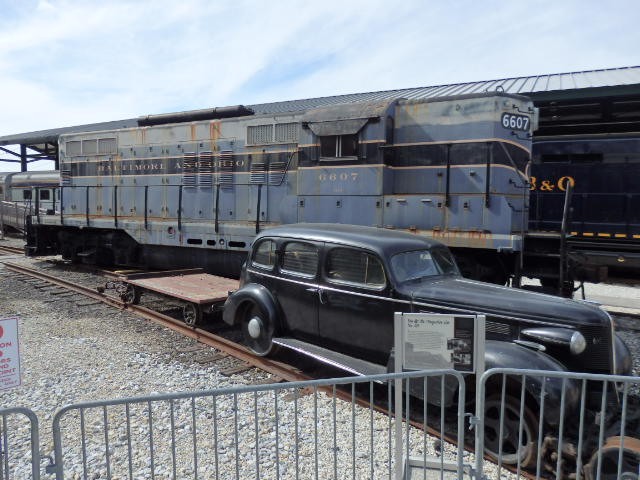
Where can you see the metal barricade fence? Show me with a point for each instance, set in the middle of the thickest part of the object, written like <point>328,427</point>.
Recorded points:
<point>19,444</point>
<point>559,425</point>
<point>314,429</point>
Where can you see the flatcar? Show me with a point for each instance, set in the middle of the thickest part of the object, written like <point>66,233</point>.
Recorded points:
<point>193,189</point>
<point>604,223</point>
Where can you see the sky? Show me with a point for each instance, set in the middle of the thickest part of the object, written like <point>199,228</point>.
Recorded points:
<point>72,62</point>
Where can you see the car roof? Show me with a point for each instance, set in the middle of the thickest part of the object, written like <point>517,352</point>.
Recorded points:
<point>382,240</point>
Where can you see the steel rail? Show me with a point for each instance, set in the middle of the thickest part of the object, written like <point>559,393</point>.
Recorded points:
<point>11,250</point>
<point>235,350</point>
<point>207,338</point>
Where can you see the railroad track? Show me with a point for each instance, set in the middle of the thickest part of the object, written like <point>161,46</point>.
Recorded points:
<point>235,350</point>
<point>4,250</point>
<point>228,348</point>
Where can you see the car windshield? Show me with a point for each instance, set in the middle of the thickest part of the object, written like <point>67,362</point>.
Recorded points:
<point>418,264</point>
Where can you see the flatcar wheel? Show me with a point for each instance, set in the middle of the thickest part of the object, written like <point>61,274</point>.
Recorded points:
<point>131,295</point>
<point>191,313</point>
<point>512,451</point>
<point>257,330</point>
<point>609,456</point>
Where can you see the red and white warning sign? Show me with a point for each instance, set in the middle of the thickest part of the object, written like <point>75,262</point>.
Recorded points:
<point>9,354</point>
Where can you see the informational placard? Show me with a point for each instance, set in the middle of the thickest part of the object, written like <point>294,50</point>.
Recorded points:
<point>431,341</point>
<point>9,354</point>
<point>436,341</point>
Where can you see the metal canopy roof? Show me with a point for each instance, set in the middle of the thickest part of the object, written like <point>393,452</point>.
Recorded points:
<point>539,86</point>
<point>51,136</point>
<point>591,83</point>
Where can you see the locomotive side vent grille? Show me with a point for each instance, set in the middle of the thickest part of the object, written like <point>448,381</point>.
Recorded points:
<point>258,173</point>
<point>287,132</point>
<point>277,171</point>
<point>102,146</point>
<point>65,176</point>
<point>107,146</point>
<point>74,148</point>
<point>226,168</point>
<point>189,169</point>
<point>259,134</point>
<point>205,169</point>
<point>89,147</point>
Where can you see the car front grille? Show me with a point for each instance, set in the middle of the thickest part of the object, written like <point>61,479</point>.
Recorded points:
<point>599,354</point>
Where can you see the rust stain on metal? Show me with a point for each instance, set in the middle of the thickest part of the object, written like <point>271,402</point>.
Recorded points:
<point>214,133</point>
<point>141,135</point>
<point>631,443</point>
<point>200,288</point>
<point>468,238</point>
<point>192,131</point>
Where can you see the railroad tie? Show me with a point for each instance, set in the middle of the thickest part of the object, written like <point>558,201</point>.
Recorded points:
<point>243,367</point>
<point>210,358</point>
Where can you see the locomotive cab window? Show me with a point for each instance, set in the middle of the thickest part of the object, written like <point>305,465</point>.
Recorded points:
<point>45,194</point>
<point>300,259</point>
<point>26,194</point>
<point>339,146</point>
<point>265,255</point>
<point>355,267</point>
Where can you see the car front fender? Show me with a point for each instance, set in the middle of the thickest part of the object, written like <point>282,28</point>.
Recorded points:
<point>510,355</point>
<point>624,361</point>
<point>249,293</point>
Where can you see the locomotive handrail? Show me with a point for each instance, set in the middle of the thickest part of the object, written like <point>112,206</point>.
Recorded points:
<point>447,182</point>
<point>563,237</point>
<point>146,202</point>
<point>216,221</point>
<point>258,209</point>
<point>487,180</point>
<point>87,205</point>
<point>115,206</point>
<point>61,204</point>
<point>37,192</point>
<point>180,208</point>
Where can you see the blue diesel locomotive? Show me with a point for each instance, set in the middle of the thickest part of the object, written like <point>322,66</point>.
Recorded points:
<point>193,189</point>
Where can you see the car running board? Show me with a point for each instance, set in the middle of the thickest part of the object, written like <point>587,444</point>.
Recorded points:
<point>335,359</point>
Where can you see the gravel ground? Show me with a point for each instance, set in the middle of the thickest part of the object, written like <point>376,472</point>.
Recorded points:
<point>73,354</point>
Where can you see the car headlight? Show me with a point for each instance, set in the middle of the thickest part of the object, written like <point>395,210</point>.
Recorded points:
<point>578,343</point>
<point>554,337</point>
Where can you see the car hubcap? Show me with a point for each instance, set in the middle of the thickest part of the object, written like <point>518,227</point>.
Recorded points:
<point>254,327</point>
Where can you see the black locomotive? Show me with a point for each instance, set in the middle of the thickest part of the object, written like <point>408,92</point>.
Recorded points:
<point>603,219</point>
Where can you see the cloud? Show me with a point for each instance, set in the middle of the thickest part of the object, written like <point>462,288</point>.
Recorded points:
<point>69,62</point>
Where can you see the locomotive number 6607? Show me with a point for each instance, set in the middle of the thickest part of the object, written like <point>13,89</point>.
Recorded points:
<point>515,122</point>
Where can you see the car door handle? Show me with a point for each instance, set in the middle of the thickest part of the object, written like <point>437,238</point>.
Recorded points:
<point>320,297</point>
<point>319,290</point>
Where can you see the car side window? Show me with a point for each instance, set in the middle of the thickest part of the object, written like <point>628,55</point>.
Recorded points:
<point>355,267</point>
<point>300,259</point>
<point>264,255</point>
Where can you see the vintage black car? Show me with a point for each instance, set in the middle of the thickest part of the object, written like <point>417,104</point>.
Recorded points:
<point>334,288</point>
